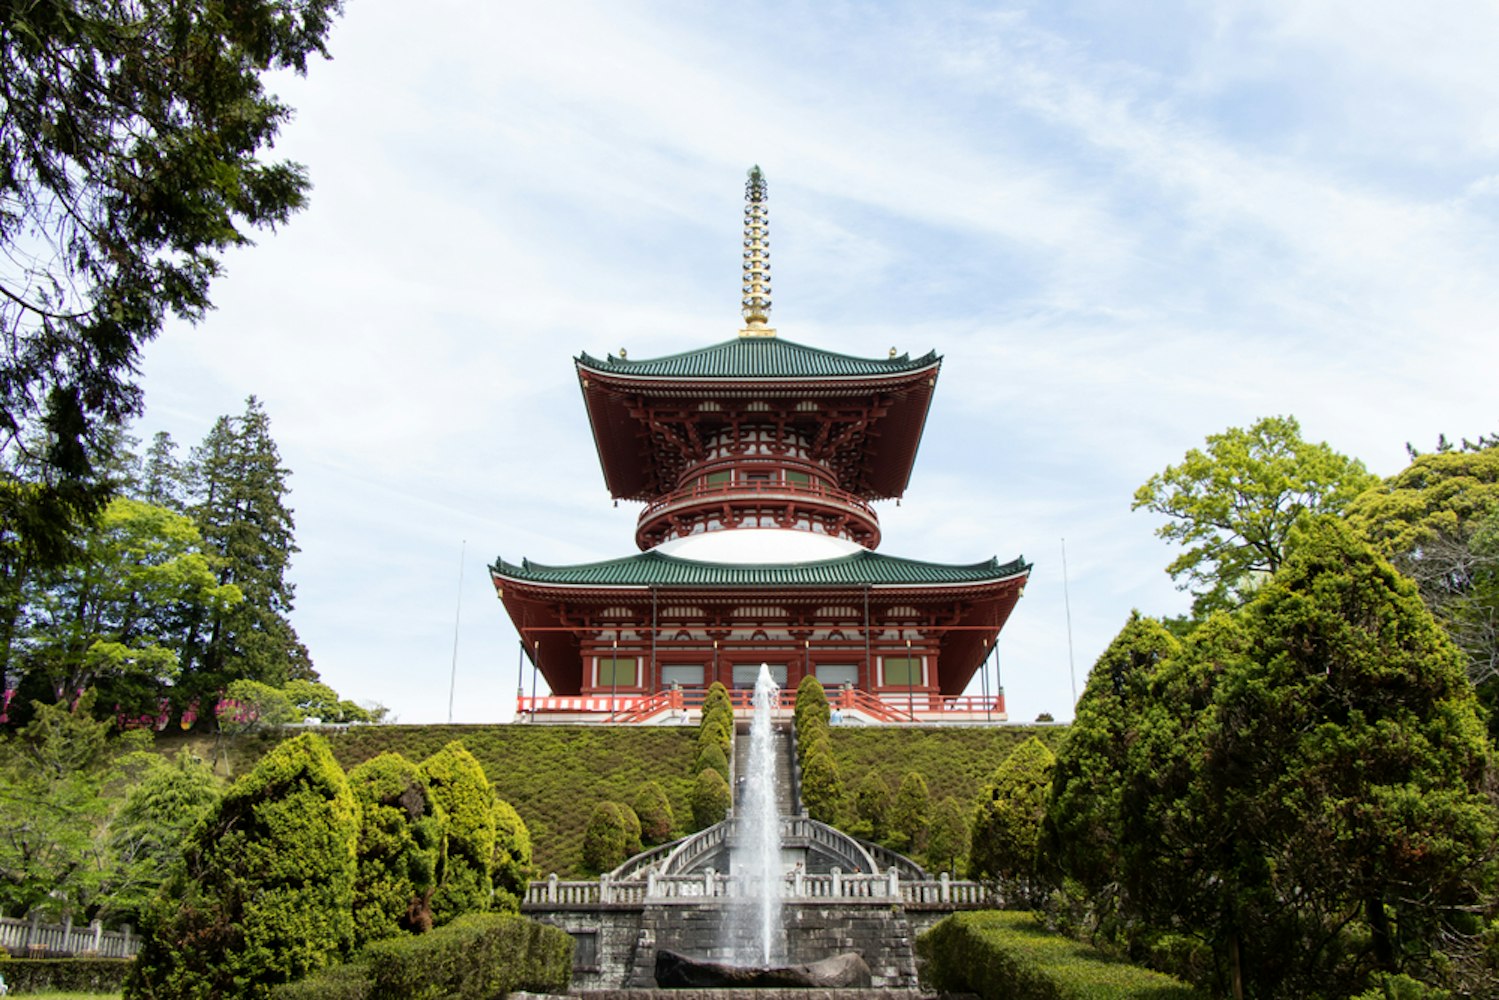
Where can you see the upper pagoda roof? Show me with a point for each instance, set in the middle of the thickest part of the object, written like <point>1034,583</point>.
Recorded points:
<point>758,358</point>
<point>653,569</point>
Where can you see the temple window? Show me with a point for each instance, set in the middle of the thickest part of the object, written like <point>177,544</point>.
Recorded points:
<point>835,675</point>
<point>901,671</point>
<point>745,674</point>
<point>617,671</point>
<point>687,675</point>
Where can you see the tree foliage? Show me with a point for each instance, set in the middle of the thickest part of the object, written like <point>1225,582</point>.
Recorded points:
<point>130,162</point>
<point>402,831</point>
<point>463,793</point>
<point>811,714</point>
<point>606,841</point>
<point>147,835</point>
<point>54,812</point>
<point>910,814</point>
<point>871,806</point>
<point>1006,834</point>
<point>711,799</point>
<point>654,810</point>
<point>947,843</point>
<point>266,893</point>
<point>1438,522</point>
<point>1236,505</point>
<point>511,868</point>
<point>1302,783</point>
<point>821,785</point>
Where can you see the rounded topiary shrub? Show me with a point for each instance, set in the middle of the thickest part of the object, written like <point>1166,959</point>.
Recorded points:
<point>710,799</point>
<point>821,786</point>
<point>401,835</point>
<point>606,840</point>
<point>910,814</point>
<point>265,894</point>
<point>811,713</point>
<point>654,810</point>
<point>711,757</point>
<point>461,789</point>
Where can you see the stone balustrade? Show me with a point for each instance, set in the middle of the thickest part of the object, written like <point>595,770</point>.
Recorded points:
<point>885,888</point>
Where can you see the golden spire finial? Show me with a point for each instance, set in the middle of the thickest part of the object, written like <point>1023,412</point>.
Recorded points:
<point>756,301</point>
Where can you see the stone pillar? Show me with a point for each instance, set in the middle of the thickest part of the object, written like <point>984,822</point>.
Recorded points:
<point>893,878</point>
<point>604,893</point>
<point>552,888</point>
<point>837,883</point>
<point>945,893</point>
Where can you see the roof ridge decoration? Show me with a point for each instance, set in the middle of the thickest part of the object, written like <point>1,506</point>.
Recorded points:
<point>757,357</point>
<point>652,568</point>
<point>756,301</point>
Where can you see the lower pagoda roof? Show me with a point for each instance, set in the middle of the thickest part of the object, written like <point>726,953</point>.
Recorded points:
<point>862,568</point>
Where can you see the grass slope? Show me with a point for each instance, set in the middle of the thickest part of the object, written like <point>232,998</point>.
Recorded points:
<point>552,775</point>
<point>955,762</point>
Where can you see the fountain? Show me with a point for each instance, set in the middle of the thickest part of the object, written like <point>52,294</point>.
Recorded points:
<point>759,933</point>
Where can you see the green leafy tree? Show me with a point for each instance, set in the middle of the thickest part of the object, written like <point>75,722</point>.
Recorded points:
<point>402,832</point>
<point>131,162</point>
<point>606,839</point>
<point>104,621</point>
<point>250,706</point>
<point>1006,833</point>
<point>654,810</point>
<point>463,793</point>
<point>1236,505</point>
<point>711,799</point>
<point>947,844</point>
<point>266,893</point>
<point>910,814</point>
<point>511,869</point>
<point>821,786</point>
<point>55,773</point>
<point>316,700</point>
<point>1438,522</point>
<point>147,835</point>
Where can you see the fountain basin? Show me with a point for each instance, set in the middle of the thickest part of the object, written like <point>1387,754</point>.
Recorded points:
<point>677,971</point>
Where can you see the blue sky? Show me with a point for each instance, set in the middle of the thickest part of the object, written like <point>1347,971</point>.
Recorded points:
<point>1125,228</point>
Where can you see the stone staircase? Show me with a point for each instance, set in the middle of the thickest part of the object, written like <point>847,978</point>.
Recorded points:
<point>785,750</point>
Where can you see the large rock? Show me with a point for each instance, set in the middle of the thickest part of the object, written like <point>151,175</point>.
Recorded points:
<point>676,971</point>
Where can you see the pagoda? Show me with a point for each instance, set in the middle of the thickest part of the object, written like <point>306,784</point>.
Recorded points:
<point>758,461</point>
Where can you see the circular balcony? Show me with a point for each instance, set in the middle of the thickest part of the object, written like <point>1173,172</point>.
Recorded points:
<point>700,507</point>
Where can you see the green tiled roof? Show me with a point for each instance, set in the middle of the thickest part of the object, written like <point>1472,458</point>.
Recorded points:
<point>758,357</point>
<point>654,569</point>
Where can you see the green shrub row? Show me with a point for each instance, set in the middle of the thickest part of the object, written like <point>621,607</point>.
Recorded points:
<point>65,975</point>
<point>1010,954</point>
<point>476,957</point>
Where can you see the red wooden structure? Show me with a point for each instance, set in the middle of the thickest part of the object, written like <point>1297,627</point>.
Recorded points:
<point>758,461</point>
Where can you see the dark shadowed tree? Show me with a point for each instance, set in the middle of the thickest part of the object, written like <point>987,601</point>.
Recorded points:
<point>130,162</point>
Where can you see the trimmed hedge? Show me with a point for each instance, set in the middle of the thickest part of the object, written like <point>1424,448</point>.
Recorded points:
<point>65,975</point>
<point>1010,954</point>
<point>476,957</point>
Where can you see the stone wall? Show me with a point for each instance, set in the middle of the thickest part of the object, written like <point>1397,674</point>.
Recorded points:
<point>617,945</point>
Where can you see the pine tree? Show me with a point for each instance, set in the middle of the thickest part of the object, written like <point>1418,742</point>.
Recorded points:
<point>238,498</point>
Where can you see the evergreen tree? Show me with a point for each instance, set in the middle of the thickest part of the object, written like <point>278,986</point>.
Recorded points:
<point>239,489</point>
<point>401,836</point>
<point>266,894</point>
<point>821,786</point>
<point>1006,833</point>
<point>910,814</point>
<point>462,790</point>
